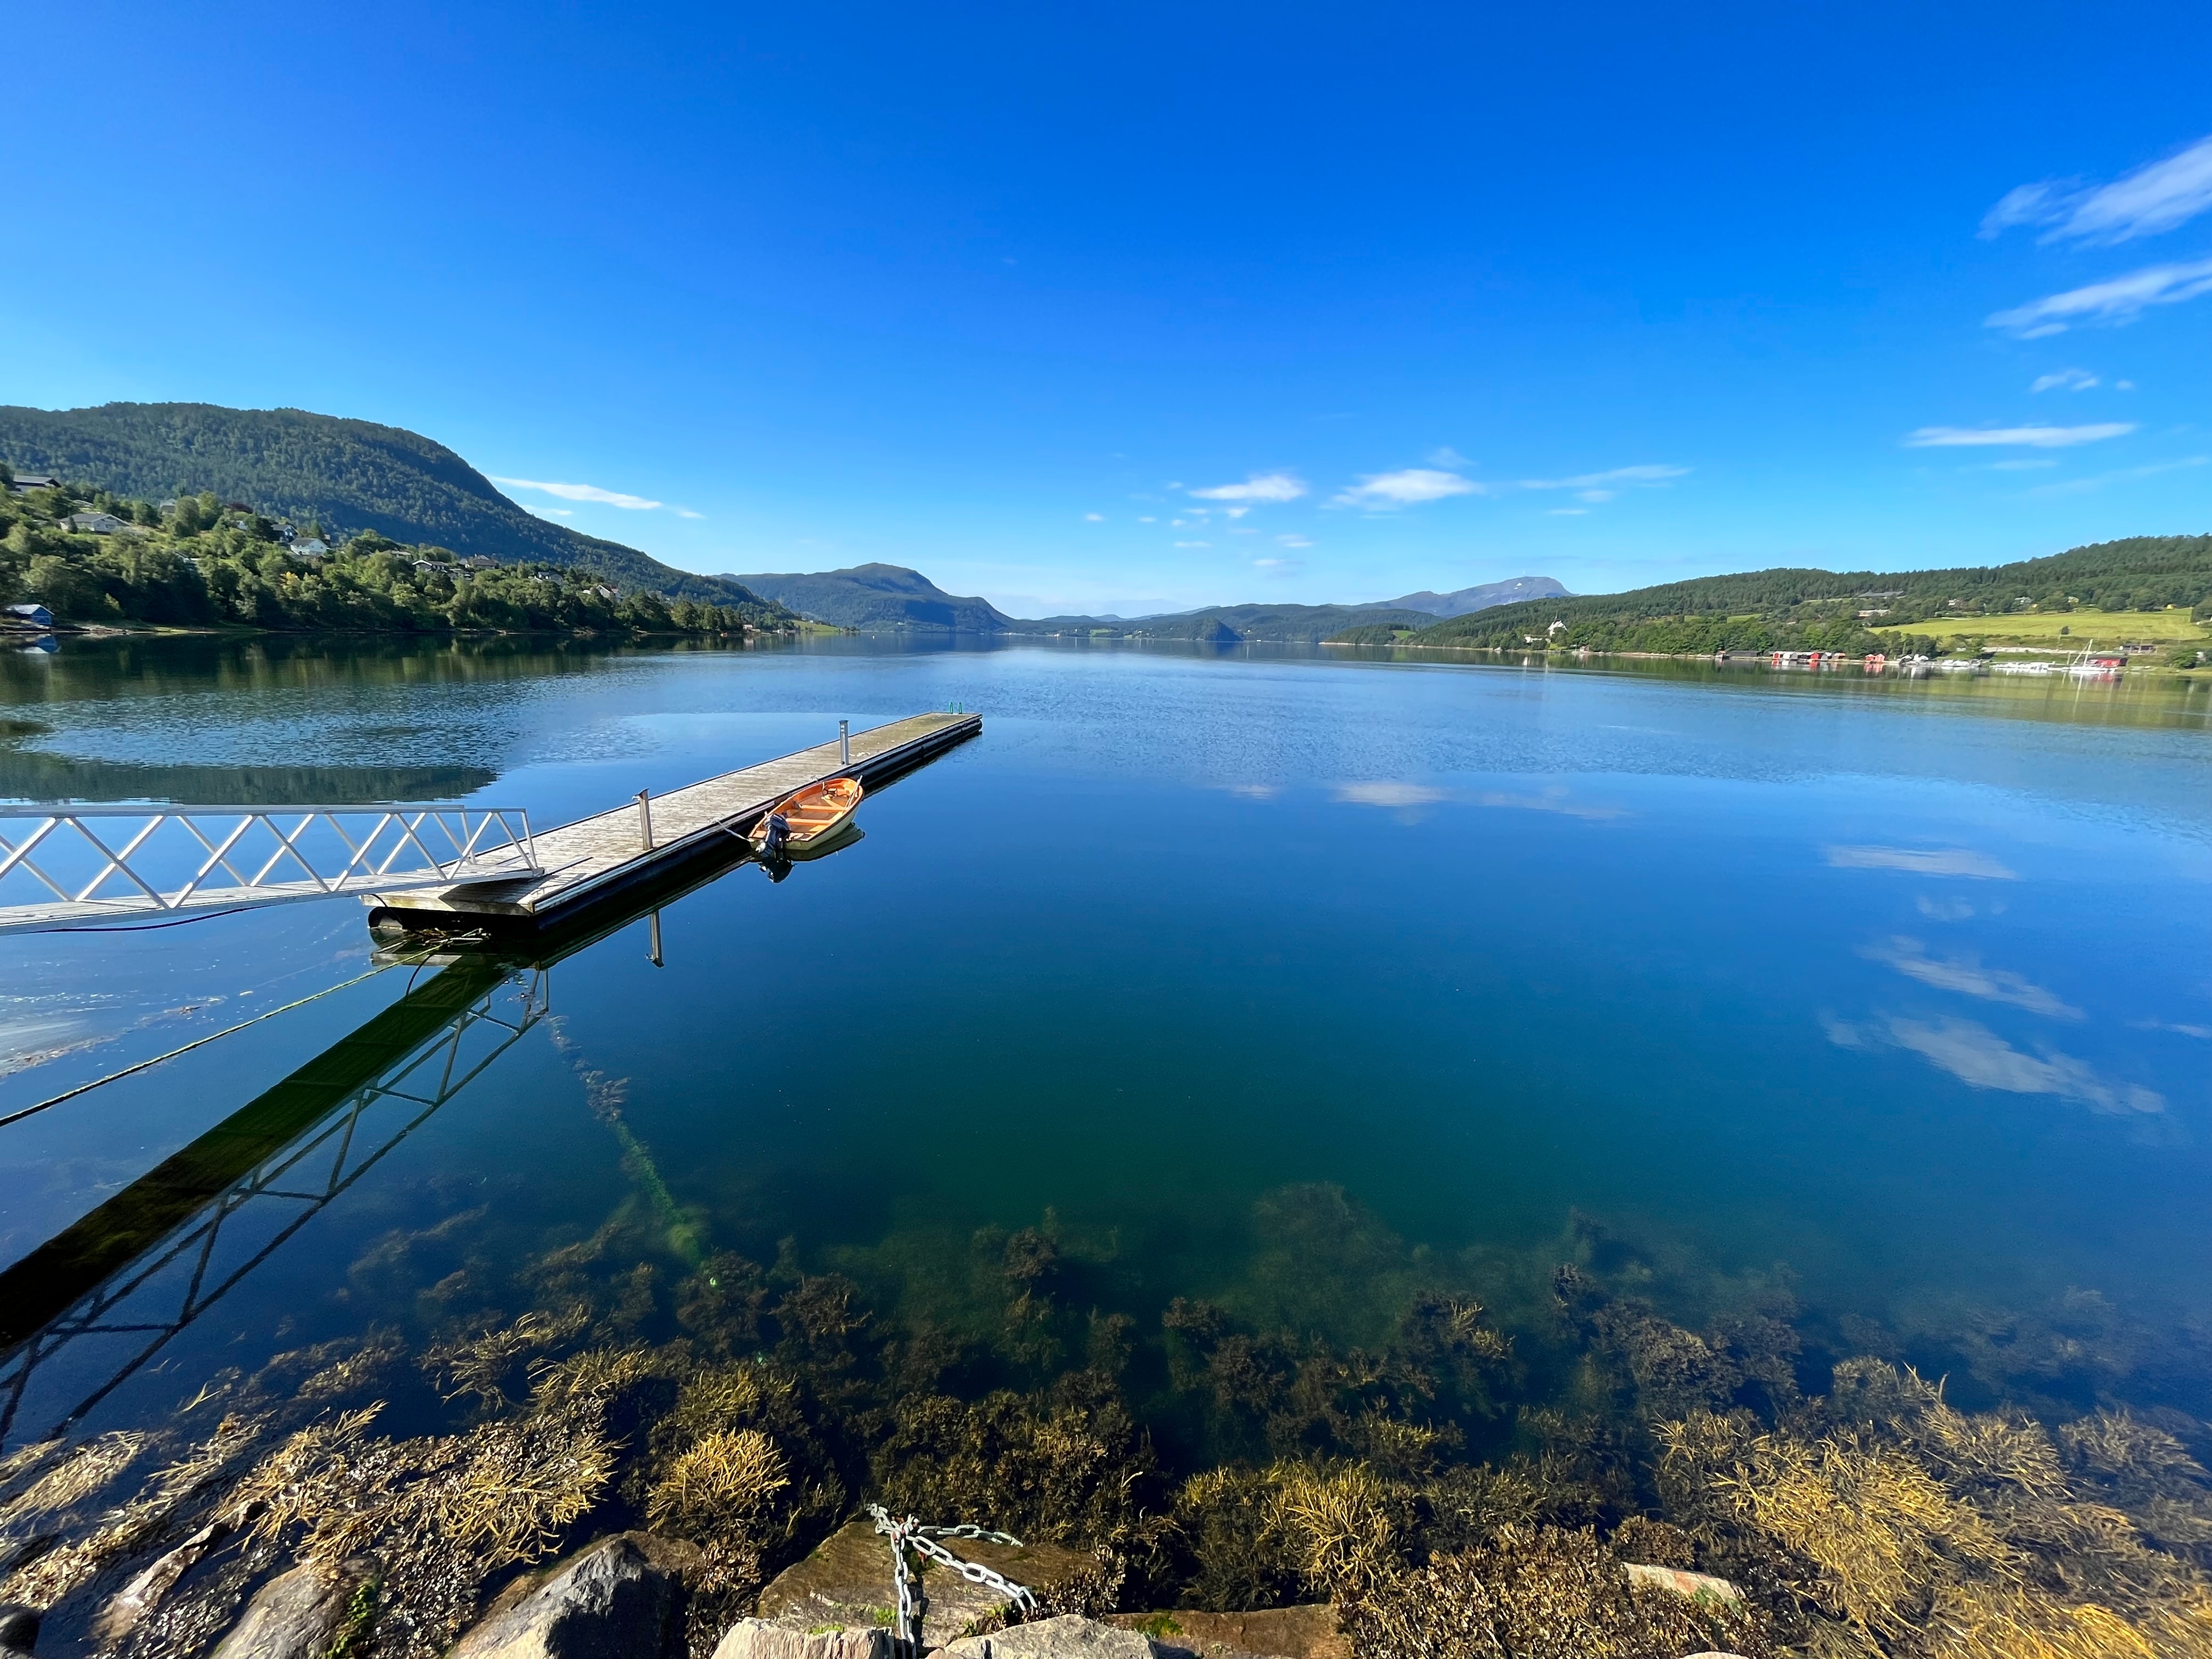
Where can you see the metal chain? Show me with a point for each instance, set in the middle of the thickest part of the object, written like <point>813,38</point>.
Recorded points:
<point>906,1532</point>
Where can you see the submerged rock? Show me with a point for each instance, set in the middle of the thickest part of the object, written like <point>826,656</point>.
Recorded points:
<point>1698,1586</point>
<point>1310,1631</point>
<point>847,1583</point>
<point>1071,1636</point>
<point>19,1629</point>
<point>756,1638</point>
<point>622,1598</point>
<point>296,1614</point>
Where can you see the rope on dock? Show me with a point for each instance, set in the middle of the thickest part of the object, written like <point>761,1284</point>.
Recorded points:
<point>907,1533</point>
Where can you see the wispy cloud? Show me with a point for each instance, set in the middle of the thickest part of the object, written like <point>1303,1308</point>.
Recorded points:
<point>2154,198</point>
<point>686,512</point>
<point>1409,487</point>
<point>2064,379</point>
<point>1980,1059</point>
<point>2117,299</point>
<point>1967,976</point>
<point>2018,464</point>
<point>1279,567</point>
<point>2123,474</point>
<point>2033,437</point>
<point>1920,861</point>
<point>1261,487</point>
<point>1553,800</point>
<point>1449,457</point>
<point>551,512</point>
<point>1592,482</point>
<point>1570,512</point>
<point>1193,543</point>
<point>1094,518</point>
<point>1293,541</point>
<point>582,492</point>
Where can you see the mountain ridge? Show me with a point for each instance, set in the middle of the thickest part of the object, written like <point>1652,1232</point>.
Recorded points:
<point>888,597</point>
<point>348,475</point>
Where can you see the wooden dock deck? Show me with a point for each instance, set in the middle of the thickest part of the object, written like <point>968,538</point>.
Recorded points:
<point>597,859</point>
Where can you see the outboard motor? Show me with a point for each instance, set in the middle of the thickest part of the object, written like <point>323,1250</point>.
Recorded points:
<point>776,838</point>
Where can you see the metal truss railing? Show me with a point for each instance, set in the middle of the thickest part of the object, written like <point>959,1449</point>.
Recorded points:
<point>62,865</point>
<point>153,1294</point>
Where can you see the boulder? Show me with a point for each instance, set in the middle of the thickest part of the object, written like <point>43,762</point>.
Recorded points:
<point>19,1630</point>
<point>1308,1631</point>
<point>623,1597</point>
<point>297,1613</point>
<point>847,1583</point>
<point>756,1638</point>
<point>1071,1636</point>
<point>1698,1586</point>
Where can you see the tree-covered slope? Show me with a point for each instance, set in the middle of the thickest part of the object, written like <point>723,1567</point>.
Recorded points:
<point>1831,610</point>
<point>349,476</point>
<point>875,598</point>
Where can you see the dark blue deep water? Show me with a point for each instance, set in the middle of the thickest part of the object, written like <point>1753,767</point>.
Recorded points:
<point>1291,983</point>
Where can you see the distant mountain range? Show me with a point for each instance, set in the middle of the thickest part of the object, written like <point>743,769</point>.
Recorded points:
<point>348,475</point>
<point>882,597</point>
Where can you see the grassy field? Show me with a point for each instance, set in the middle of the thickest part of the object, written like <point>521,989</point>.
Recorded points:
<point>2041,627</point>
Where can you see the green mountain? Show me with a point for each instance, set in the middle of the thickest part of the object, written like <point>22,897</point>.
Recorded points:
<point>1463,600</point>
<point>878,599</point>
<point>349,476</point>
<point>1827,610</point>
<point>885,598</point>
<point>1233,624</point>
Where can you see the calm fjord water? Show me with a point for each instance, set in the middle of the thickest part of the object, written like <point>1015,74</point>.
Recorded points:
<point>1294,983</point>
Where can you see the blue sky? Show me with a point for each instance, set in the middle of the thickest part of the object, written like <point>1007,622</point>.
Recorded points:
<point>1145,306</point>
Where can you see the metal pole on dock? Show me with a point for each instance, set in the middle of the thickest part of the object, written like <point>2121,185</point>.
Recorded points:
<point>645,818</point>
<point>844,742</point>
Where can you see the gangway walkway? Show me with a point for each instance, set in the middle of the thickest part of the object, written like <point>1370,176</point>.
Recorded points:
<point>73,866</point>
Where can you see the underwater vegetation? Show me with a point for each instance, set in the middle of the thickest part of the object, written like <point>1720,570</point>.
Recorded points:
<point>1465,1455</point>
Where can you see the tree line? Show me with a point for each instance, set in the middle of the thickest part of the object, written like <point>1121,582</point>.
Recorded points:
<point>197,561</point>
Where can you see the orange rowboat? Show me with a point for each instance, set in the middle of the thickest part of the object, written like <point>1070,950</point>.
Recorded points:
<point>813,814</point>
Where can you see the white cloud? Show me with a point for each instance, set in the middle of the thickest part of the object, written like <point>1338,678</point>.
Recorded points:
<point>1279,567</point>
<point>2069,379</point>
<point>2034,437</point>
<point>1449,457</point>
<point>1401,795</point>
<point>1568,512</point>
<point>2154,198</point>
<point>1094,518</point>
<point>686,512</point>
<point>550,512</point>
<point>1259,487</point>
<point>1595,495</point>
<point>1193,543</point>
<point>1293,541</point>
<point>2022,464</point>
<point>1146,519</point>
<point>1920,861</point>
<point>2123,386</point>
<point>1235,512</point>
<point>1618,475</point>
<point>1968,977</point>
<point>1980,1059</point>
<point>1410,487</point>
<point>2120,300</point>
<point>576,492</point>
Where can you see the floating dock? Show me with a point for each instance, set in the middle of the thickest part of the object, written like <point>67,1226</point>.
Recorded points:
<point>614,856</point>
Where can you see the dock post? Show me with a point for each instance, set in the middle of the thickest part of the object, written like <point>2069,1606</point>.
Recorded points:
<point>645,819</point>
<point>844,742</point>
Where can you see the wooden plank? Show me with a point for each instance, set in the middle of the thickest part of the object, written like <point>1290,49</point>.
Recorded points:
<point>586,860</point>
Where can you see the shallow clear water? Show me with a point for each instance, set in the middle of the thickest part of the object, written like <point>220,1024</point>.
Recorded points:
<point>1293,982</point>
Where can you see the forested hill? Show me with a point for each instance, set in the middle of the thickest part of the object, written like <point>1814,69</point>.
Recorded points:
<point>349,476</point>
<point>1846,610</point>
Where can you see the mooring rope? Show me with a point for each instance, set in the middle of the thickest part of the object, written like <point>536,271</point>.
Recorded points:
<point>906,1533</point>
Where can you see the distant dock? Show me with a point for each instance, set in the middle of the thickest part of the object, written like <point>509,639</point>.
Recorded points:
<point>615,855</point>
